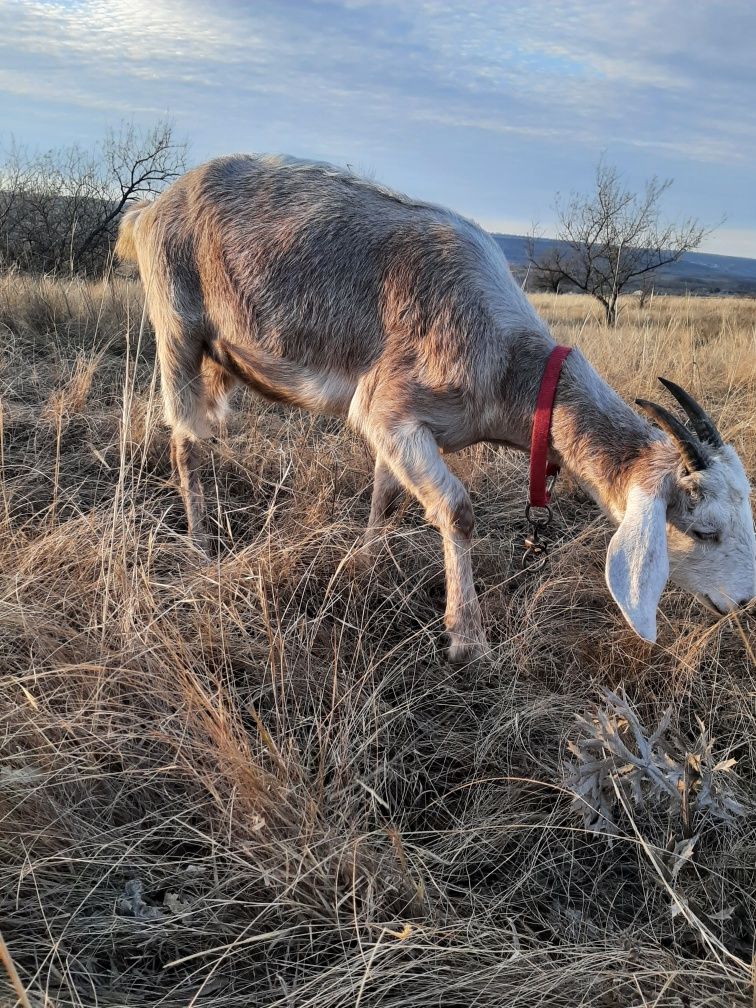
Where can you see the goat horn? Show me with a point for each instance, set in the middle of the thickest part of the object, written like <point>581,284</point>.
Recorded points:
<point>690,448</point>
<point>703,425</point>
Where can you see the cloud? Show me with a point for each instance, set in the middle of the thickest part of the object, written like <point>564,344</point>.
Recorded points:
<point>137,31</point>
<point>548,84</point>
<point>543,67</point>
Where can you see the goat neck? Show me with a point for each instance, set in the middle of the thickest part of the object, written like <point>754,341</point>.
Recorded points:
<point>604,443</point>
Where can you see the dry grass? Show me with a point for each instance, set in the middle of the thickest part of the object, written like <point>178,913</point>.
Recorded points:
<point>252,781</point>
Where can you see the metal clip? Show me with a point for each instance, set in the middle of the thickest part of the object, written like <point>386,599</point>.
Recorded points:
<point>536,549</point>
<point>535,554</point>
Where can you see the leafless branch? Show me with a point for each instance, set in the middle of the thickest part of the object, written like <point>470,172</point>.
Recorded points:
<point>58,208</point>
<point>611,237</point>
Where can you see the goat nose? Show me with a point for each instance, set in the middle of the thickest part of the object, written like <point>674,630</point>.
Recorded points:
<point>745,602</point>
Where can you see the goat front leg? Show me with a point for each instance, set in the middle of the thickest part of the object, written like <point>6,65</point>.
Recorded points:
<point>413,456</point>
<point>185,461</point>
<point>463,618</point>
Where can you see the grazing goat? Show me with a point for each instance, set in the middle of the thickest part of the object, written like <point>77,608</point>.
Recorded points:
<point>327,292</point>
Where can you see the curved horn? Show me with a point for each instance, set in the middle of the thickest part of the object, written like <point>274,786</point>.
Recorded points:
<point>703,425</point>
<point>690,448</point>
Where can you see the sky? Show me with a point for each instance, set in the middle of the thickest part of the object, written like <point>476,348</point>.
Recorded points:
<point>488,106</point>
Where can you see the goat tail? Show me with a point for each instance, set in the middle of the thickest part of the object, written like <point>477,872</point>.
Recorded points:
<point>269,376</point>
<point>125,247</point>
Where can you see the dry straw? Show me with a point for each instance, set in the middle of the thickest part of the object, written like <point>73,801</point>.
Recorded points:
<point>250,780</point>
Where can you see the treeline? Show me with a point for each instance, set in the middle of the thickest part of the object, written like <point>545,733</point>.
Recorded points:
<point>59,209</point>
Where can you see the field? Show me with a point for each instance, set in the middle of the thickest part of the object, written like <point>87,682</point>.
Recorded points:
<point>252,780</point>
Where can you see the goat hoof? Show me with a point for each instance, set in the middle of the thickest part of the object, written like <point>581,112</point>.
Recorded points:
<point>465,647</point>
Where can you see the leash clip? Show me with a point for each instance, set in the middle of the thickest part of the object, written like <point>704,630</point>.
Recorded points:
<point>536,545</point>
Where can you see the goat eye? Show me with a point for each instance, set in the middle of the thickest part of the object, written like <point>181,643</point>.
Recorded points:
<point>706,536</point>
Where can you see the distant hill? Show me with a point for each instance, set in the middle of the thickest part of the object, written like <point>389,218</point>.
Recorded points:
<point>695,272</point>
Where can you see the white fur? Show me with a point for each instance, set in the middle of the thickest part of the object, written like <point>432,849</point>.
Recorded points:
<point>720,574</point>
<point>637,565</point>
<point>656,540</point>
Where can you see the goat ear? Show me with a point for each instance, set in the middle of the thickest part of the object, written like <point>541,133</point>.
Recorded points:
<point>637,565</point>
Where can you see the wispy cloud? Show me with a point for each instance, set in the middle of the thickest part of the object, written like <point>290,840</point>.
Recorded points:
<point>474,103</point>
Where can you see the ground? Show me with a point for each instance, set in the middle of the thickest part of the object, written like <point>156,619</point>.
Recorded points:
<point>252,780</point>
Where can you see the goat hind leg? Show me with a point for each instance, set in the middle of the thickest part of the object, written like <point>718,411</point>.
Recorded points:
<point>185,459</point>
<point>386,492</point>
<point>186,405</point>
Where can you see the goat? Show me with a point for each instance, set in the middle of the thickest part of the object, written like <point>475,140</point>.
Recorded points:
<point>325,291</point>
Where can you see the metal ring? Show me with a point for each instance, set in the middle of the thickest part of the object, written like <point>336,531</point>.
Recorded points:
<point>538,522</point>
<point>534,562</point>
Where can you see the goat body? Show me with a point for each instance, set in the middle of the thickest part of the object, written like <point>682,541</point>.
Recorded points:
<point>327,292</point>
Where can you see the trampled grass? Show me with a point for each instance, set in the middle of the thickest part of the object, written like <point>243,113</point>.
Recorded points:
<point>252,780</point>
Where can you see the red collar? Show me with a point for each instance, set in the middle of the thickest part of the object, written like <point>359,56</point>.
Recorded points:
<point>540,467</point>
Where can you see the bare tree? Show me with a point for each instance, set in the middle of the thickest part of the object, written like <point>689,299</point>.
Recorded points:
<point>544,273</point>
<point>136,164</point>
<point>57,195</point>
<point>610,238</point>
<point>645,290</point>
<point>58,209</point>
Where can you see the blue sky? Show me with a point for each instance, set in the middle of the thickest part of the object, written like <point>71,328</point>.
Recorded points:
<point>489,107</point>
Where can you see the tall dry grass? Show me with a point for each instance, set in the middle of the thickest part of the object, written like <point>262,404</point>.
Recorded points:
<point>252,780</point>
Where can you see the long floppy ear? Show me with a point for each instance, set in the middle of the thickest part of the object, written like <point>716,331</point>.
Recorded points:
<point>637,565</point>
